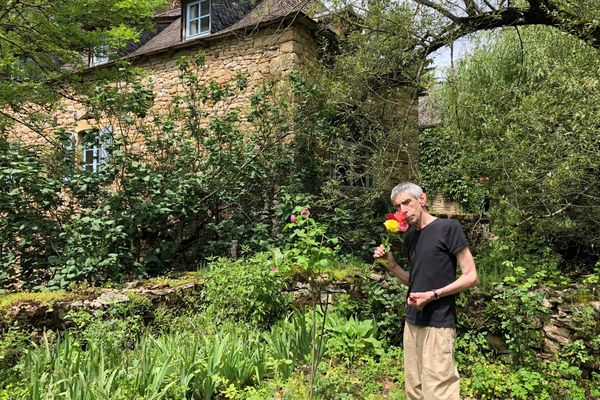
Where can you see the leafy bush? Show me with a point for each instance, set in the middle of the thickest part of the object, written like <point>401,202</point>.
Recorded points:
<point>350,339</point>
<point>13,342</point>
<point>495,381</point>
<point>246,290</point>
<point>519,118</point>
<point>518,307</point>
<point>385,305</point>
<point>368,377</point>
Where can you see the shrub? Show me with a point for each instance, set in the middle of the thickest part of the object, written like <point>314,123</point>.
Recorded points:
<point>518,307</point>
<point>246,290</point>
<point>350,339</point>
<point>13,342</point>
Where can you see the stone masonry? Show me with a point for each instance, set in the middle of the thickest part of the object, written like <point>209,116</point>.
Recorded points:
<point>263,54</point>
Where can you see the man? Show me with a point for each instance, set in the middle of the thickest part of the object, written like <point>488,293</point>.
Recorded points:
<point>433,247</point>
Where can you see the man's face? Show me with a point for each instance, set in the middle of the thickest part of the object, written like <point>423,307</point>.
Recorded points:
<point>411,206</point>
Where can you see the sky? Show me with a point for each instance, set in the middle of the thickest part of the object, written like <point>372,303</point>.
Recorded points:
<point>442,58</point>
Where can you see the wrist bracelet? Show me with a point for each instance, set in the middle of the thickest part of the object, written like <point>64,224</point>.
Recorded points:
<point>435,294</point>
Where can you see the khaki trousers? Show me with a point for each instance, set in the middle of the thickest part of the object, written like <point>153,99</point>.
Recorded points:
<point>429,368</point>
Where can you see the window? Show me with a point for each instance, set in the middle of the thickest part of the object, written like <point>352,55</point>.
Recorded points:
<point>197,18</point>
<point>350,165</point>
<point>99,56</point>
<point>95,144</point>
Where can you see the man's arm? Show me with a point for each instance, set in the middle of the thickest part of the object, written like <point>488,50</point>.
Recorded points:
<point>390,264</point>
<point>467,279</point>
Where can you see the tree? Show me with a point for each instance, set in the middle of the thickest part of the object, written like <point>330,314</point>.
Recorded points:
<point>523,110</point>
<point>444,21</point>
<point>44,44</point>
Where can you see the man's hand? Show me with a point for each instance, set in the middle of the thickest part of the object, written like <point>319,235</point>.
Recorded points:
<point>387,257</point>
<point>419,299</point>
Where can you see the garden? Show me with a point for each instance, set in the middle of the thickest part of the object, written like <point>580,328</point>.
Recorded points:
<point>230,256</point>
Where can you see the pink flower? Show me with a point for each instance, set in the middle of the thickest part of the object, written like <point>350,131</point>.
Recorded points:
<point>305,213</point>
<point>293,218</point>
<point>274,269</point>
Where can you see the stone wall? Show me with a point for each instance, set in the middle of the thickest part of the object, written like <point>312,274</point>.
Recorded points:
<point>264,54</point>
<point>440,205</point>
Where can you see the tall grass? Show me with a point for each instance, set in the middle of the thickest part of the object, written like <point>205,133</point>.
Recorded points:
<point>178,365</point>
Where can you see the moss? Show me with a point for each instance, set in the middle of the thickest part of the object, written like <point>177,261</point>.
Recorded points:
<point>170,282</point>
<point>8,300</point>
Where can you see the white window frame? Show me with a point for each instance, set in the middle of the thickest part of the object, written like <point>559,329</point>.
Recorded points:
<point>98,148</point>
<point>99,56</point>
<point>189,20</point>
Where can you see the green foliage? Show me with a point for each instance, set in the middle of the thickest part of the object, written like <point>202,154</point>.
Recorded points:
<point>247,290</point>
<point>514,112</point>
<point>290,342</point>
<point>386,305</point>
<point>491,381</point>
<point>350,339</point>
<point>189,192</point>
<point>210,180</point>
<point>368,377</point>
<point>471,348</point>
<point>497,382</point>
<point>12,344</point>
<point>494,257</point>
<point>442,160</point>
<point>34,59</point>
<point>119,326</point>
<point>518,307</point>
<point>181,364</point>
<point>309,251</point>
<point>12,392</point>
<point>485,376</point>
<point>28,199</point>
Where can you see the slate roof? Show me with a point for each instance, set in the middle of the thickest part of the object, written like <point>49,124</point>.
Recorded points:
<point>227,12</point>
<point>227,16</point>
<point>176,12</point>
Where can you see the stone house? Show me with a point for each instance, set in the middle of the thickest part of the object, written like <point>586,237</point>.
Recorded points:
<point>259,39</point>
<point>262,39</point>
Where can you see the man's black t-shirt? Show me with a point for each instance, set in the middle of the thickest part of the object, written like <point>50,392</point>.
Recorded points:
<point>431,252</point>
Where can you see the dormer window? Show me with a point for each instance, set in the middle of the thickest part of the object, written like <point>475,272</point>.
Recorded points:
<point>197,18</point>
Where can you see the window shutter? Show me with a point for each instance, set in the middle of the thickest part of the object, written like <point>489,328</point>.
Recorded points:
<point>104,141</point>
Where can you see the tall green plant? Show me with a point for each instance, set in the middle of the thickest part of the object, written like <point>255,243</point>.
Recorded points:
<point>308,255</point>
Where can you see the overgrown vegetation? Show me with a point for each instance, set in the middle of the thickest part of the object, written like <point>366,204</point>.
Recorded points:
<point>203,184</point>
<point>517,129</point>
<point>185,353</point>
<point>211,187</point>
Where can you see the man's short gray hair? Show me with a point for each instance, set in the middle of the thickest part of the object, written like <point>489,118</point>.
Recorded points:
<point>410,187</point>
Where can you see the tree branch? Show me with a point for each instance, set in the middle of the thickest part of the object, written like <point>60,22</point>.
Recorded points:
<point>516,17</point>
<point>8,8</point>
<point>446,13</point>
